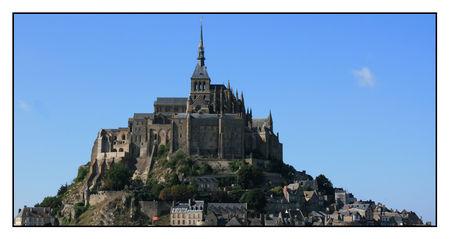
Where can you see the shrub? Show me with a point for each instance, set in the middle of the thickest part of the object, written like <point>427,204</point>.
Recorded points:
<point>63,189</point>
<point>162,150</point>
<point>324,185</point>
<point>277,191</point>
<point>236,164</point>
<point>79,209</point>
<point>255,199</point>
<point>172,179</point>
<point>249,177</point>
<point>82,172</point>
<point>177,193</point>
<point>204,169</point>
<point>116,177</point>
<point>52,202</point>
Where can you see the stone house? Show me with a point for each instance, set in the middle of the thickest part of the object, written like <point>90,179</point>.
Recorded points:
<point>206,183</point>
<point>35,216</point>
<point>224,212</point>
<point>343,197</point>
<point>188,214</point>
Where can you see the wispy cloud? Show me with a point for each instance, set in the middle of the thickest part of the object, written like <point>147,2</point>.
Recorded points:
<point>24,105</point>
<point>365,77</point>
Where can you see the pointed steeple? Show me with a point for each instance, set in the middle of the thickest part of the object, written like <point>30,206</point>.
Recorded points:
<point>201,49</point>
<point>200,69</point>
<point>270,121</point>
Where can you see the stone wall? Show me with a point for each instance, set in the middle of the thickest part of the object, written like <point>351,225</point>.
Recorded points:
<point>103,195</point>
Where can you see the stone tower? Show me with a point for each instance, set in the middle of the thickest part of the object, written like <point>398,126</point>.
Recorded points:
<point>199,99</point>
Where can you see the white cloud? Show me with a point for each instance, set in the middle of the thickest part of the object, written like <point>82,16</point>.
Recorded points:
<point>23,105</point>
<point>365,77</point>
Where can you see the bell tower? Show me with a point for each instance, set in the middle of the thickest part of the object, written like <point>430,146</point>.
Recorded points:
<point>199,99</point>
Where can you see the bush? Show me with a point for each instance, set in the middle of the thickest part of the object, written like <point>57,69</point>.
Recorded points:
<point>79,209</point>
<point>82,173</point>
<point>277,191</point>
<point>155,188</point>
<point>172,179</point>
<point>204,169</point>
<point>235,195</point>
<point>249,177</point>
<point>63,189</point>
<point>255,199</point>
<point>287,171</point>
<point>177,193</point>
<point>324,185</point>
<point>162,150</point>
<point>52,202</point>
<point>116,177</point>
<point>236,164</point>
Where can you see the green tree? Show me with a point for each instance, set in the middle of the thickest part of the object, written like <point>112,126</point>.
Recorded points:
<point>249,177</point>
<point>52,202</point>
<point>162,150</point>
<point>116,177</point>
<point>154,188</point>
<point>236,164</point>
<point>62,190</point>
<point>204,169</point>
<point>83,170</point>
<point>172,179</point>
<point>177,193</point>
<point>255,199</point>
<point>79,208</point>
<point>324,185</point>
<point>277,191</point>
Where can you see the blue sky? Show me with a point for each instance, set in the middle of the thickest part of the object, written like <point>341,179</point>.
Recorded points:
<point>352,96</point>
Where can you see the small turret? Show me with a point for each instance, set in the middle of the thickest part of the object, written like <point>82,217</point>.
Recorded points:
<point>270,121</point>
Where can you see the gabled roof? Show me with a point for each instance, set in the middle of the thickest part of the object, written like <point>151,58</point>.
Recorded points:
<point>233,222</point>
<point>170,101</point>
<point>142,115</point>
<point>309,194</point>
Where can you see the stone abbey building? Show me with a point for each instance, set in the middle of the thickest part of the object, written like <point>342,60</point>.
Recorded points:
<point>212,123</point>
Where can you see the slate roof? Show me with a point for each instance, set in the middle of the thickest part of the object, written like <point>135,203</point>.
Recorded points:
<point>170,101</point>
<point>221,208</point>
<point>206,179</point>
<point>233,222</point>
<point>37,212</point>
<point>207,116</point>
<point>142,115</point>
<point>200,72</point>
<point>185,207</point>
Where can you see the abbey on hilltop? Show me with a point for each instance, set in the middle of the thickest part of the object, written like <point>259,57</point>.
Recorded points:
<point>213,123</point>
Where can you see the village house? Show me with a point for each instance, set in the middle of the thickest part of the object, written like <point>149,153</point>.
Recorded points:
<point>35,216</point>
<point>342,197</point>
<point>188,214</point>
<point>222,213</point>
<point>207,183</point>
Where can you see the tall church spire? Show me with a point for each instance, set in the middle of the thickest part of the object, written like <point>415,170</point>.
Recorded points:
<point>200,71</point>
<point>201,49</point>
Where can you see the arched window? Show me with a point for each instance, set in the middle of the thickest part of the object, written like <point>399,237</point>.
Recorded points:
<point>123,137</point>
<point>121,150</point>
